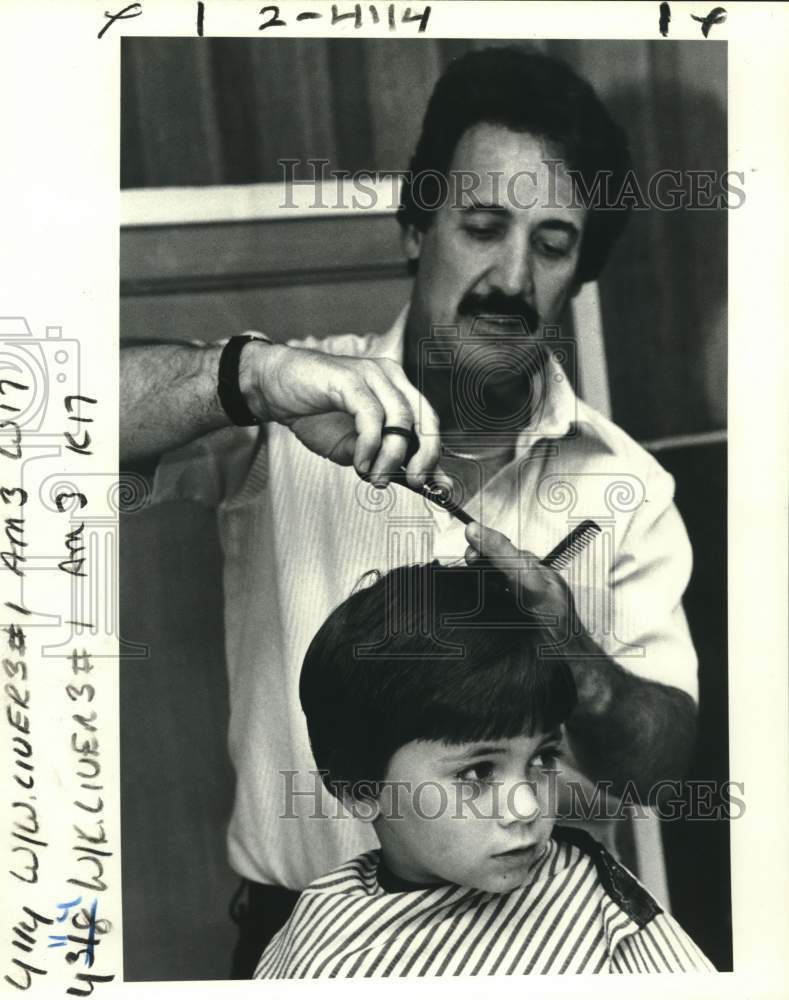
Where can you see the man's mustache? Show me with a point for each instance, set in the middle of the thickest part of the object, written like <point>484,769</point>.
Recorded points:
<point>496,304</point>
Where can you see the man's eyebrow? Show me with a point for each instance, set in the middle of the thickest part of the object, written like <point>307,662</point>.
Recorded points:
<point>479,750</point>
<point>554,736</point>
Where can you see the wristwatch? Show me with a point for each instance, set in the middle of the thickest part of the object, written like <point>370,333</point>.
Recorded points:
<point>228,388</point>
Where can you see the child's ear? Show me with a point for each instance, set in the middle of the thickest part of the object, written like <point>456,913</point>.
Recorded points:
<point>363,803</point>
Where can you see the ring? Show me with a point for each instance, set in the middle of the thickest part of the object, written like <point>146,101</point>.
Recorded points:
<point>402,432</point>
<point>409,435</point>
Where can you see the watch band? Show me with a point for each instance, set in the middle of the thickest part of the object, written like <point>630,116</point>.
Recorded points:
<point>228,389</point>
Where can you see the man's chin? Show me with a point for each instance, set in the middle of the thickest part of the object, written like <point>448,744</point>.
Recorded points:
<point>499,373</point>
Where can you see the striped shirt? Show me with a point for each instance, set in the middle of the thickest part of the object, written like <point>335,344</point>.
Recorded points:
<point>581,912</point>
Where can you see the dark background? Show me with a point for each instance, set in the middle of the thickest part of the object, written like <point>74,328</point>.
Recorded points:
<point>222,111</point>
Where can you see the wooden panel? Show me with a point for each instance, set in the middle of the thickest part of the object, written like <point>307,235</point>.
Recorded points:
<point>290,279</point>
<point>281,313</point>
<point>270,250</point>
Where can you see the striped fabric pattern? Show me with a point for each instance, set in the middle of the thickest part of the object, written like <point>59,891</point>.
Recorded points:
<point>562,921</point>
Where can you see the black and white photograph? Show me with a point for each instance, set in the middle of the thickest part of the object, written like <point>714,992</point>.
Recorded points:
<point>432,629</point>
<point>560,371</point>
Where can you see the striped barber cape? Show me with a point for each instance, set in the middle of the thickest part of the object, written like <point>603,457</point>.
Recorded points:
<point>582,912</point>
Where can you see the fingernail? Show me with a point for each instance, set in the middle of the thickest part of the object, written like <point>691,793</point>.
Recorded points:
<point>364,466</point>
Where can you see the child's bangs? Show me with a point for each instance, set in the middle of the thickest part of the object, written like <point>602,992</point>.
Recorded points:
<point>508,695</point>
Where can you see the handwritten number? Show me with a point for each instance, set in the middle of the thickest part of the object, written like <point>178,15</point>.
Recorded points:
<point>422,18</point>
<point>274,21</point>
<point>665,19</point>
<point>7,493</point>
<point>90,979</point>
<point>356,14</point>
<point>61,498</point>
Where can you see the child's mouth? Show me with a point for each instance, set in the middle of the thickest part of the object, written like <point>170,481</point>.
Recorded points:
<point>516,853</point>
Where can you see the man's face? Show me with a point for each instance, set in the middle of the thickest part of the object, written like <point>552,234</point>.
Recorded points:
<point>508,248</point>
<point>475,814</point>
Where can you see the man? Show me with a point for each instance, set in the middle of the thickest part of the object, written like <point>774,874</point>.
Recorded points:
<point>499,241</point>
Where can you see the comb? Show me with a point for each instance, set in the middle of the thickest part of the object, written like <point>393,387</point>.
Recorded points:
<point>572,545</point>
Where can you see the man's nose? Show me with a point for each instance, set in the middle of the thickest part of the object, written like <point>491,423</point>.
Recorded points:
<point>512,271</point>
<point>520,803</point>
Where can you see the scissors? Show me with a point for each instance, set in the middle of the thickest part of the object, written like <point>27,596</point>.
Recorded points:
<point>441,495</point>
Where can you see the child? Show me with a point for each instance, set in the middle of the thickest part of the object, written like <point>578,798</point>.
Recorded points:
<point>432,715</point>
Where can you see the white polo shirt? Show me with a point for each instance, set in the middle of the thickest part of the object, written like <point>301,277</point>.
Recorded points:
<point>298,532</point>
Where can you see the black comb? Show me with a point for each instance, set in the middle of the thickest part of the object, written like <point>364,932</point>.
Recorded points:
<point>572,545</point>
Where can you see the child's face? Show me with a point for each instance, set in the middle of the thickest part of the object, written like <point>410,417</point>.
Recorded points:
<point>477,814</point>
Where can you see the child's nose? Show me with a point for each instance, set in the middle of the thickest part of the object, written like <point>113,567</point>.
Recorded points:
<point>520,803</point>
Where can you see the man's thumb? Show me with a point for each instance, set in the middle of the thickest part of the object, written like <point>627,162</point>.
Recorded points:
<point>491,543</point>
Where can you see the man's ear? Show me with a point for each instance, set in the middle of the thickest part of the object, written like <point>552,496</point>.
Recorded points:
<point>411,239</point>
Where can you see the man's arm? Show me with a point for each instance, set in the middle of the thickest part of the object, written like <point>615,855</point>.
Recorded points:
<point>626,730</point>
<point>167,397</point>
<point>336,405</point>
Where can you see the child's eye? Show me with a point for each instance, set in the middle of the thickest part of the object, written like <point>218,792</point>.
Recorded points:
<point>480,773</point>
<point>547,758</point>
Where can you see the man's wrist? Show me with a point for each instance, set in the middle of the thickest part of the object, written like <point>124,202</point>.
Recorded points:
<point>253,362</point>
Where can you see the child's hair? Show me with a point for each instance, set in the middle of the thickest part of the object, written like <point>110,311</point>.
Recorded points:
<point>427,652</point>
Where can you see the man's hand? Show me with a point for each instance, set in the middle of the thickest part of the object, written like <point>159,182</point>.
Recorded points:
<point>338,406</point>
<point>539,588</point>
<point>631,733</point>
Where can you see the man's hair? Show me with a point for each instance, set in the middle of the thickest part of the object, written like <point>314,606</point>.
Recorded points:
<point>525,91</point>
<point>427,652</point>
